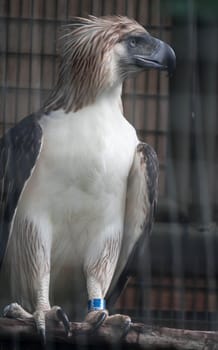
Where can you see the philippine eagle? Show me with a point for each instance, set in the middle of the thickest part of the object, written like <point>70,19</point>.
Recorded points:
<point>77,187</point>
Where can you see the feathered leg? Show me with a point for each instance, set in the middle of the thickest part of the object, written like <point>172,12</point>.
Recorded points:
<point>30,275</point>
<point>99,273</point>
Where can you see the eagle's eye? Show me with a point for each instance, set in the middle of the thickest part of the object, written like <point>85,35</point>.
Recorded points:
<point>132,42</point>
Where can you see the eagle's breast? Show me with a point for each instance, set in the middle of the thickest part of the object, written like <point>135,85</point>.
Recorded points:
<point>80,179</point>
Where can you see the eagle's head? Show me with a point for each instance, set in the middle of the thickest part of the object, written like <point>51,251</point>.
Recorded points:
<point>97,54</point>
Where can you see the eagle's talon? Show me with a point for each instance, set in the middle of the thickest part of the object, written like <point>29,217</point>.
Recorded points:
<point>42,335</point>
<point>7,310</point>
<point>126,328</point>
<point>55,314</point>
<point>62,317</point>
<point>95,319</point>
<point>100,320</point>
<point>39,318</point>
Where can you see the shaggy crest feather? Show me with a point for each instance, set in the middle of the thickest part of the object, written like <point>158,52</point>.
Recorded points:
<point>86,49</point>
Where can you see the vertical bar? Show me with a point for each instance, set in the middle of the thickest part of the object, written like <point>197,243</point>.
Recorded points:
<point>4,89</point>
<point>162,138</point>
<point>157,117</point>
<point>103,8</point>
<point>30,60</point>
<point>143,288</point>
<point>18,59</point>
<point>80,7</point>
<point>114,6</point>
<point>67,9</point>
<point>126,7</point>
<point>42,39</point>
<point>91,7</point>
<point>133,97</point>
<point>200,191</point>
<point>147,75</point>
<point>55,39</point>
<point>155,136</point>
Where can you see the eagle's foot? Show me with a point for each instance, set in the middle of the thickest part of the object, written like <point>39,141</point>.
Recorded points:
<point>100,318</point>
<point>121,323</point>
<point>40,317</point>
<point>55,314</point>
<point>96,318</point>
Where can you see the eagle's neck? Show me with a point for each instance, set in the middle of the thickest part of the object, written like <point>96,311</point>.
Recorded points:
<point>112,96</point>
<point>62,98</point>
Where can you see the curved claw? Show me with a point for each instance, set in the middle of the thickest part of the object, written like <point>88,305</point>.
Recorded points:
<point>92,322</point>
<point>100,319</point>
<point>42,335</point>
<point>39,318</point>
<point>62,317</point>
<point>126,327</point>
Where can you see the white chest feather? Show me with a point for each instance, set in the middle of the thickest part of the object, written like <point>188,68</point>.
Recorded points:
<point>79,183</point>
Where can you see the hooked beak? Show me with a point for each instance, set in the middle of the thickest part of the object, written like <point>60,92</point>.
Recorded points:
<point>162,57</point>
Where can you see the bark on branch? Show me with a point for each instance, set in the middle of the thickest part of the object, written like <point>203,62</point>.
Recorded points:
<point>139,336</point>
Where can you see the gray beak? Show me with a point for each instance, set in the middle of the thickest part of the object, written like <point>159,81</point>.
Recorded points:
<point>161,56</point>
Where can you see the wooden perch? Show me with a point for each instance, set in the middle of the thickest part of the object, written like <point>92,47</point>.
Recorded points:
<point>139,337</point>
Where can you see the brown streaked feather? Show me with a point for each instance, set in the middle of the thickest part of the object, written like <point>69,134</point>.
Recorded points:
<point>102,267</point>
<point>29,260</point>
<point>86,48</point>
<point>141,202</point>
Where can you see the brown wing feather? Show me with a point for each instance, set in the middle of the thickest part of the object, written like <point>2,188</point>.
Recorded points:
<point>140,209</point>
<point>19,149</point>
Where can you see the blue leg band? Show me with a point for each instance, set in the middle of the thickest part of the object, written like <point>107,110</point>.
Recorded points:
<point>96,304</point>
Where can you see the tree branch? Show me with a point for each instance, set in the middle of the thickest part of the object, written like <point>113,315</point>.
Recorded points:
<point>139,337</point>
